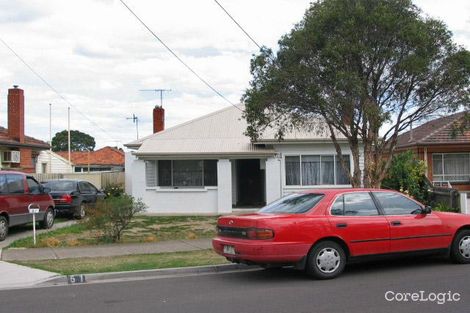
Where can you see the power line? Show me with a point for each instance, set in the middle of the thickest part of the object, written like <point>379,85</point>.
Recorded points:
<point>176,56</point>
<point>239,26</point>
<point>54,90</point>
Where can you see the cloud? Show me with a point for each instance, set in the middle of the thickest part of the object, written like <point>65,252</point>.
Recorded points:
<point>19,12</point>
<point>98,57</point>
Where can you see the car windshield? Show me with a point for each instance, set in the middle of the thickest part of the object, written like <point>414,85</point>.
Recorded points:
<point>293,203</point>
<point>61,185</point>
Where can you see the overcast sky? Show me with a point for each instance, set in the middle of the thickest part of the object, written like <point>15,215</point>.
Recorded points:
<point>98,57</point>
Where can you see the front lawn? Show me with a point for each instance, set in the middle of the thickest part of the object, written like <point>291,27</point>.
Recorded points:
<point>127,262</point>
<point>142,229</point>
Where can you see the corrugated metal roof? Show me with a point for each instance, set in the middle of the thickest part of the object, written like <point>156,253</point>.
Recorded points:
<point>218,133</point>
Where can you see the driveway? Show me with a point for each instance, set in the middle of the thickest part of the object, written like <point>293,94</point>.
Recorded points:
<point>23,231</point>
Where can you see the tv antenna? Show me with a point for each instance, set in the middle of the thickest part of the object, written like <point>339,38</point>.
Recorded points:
<point>135,120</point>
<point>161,91</point>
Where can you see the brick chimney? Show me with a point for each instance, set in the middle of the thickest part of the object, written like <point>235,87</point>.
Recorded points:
<point>16,113</point>
<point>158,119</point>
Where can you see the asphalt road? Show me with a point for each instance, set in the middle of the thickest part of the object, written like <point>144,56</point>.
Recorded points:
<point>361,288</point>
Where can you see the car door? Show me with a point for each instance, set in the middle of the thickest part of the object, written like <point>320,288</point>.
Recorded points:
<point>18,199</point>
<point>85,192</point>
<point>93,193</point>
<point>411,230</point>
<point>37,197</point>
<point>355,218</point>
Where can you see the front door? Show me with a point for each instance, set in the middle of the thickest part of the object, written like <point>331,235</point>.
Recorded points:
<point>356,219</point>
<point>410,230</point>
<point>250,183</point>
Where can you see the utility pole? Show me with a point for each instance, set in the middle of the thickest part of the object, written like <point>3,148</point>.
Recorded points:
<point>161,91</point>
<point>50,138</point>
<point>68,135</point>
<point>135,120</point>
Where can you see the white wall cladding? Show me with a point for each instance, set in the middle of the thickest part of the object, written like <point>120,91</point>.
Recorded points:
<point>54,163</point>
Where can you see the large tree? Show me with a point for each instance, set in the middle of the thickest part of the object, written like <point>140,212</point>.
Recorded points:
<point>368,68</point>
<point>78,141</point>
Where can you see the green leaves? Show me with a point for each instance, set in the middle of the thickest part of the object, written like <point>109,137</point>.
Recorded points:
<point>369,68</point>
<point>78,141</point>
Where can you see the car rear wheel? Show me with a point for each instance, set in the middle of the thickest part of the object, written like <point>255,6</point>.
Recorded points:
<point>326,260</point>
<point>81,211</point>
<point>48,220</point>
<point>460,249</point>
<point>3,228</point>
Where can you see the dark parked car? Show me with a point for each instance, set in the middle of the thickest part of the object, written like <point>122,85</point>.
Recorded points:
<point>73,196</point>
<point>18,194</point>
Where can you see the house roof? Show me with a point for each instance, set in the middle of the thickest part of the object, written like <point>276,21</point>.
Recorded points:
<point>435,132</point>
<point>218,133</point>
<point>28,141</point>
<point>103,156</point>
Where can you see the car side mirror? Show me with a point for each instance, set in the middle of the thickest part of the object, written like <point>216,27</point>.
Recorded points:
<point>46,190</point>
<point>426,210</point>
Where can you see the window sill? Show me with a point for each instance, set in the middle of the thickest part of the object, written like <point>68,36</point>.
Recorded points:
<point>169,190</point>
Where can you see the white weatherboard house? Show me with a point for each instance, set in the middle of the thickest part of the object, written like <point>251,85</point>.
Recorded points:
<point>208,166</point>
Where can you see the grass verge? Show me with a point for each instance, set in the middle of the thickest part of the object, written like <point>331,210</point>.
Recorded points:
<point>141,229</point>
<point>127,262</point>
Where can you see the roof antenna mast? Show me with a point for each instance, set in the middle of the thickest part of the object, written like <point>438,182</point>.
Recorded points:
<point>161,91</point>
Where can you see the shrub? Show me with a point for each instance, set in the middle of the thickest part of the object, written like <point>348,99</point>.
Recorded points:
<point>114,190</point>
<point>442,207</point>
<point>407,174</point>
<point>113,215</point>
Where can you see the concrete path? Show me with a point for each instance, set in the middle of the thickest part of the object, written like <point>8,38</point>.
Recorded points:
<point>105,250</point>
<point>15,276</point>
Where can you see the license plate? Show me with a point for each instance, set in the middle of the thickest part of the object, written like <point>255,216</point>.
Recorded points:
<point>229,249</point>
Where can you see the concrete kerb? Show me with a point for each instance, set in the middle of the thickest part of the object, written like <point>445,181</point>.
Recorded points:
<point>150,274</point>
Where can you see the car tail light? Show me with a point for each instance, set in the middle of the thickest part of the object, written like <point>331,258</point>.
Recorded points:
<point>260,233</point>
<point>66,199</point>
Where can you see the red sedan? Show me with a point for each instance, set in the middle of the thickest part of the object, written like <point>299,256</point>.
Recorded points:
<point>321,230</point>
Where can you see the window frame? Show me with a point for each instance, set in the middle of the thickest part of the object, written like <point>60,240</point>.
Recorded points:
<point>156,174</point>
<point>335,175</point>
<point>443,175</point>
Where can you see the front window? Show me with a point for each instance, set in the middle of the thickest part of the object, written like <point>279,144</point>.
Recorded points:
<point>452,167</point>
<point>293,203</point>
<point>181,173</point>
<point>311,170</point>
<point>395,204</point>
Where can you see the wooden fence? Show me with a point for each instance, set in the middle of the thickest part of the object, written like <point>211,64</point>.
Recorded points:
<point>99,179</point>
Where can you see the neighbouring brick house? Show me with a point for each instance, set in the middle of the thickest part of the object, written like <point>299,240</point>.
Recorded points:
<point>18,151</point>
<point>104,159</point>
<point>444,149</point>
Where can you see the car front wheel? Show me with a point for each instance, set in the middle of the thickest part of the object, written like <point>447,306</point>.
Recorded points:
<point>48,221</point>
<point>3,228</point>
<point>460,249</point>
<point>326,260</point>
